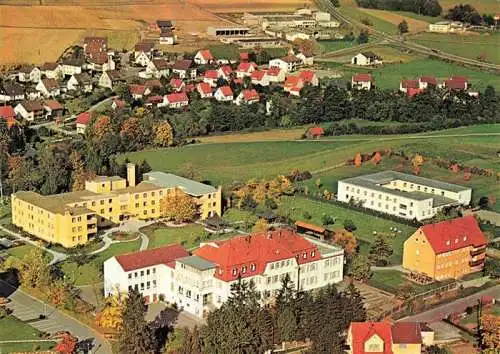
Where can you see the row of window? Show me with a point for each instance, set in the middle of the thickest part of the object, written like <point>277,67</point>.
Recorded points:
<point>142,272</point>
<point>331,275</point>
<point>143,286</point>
<point>452,264</point>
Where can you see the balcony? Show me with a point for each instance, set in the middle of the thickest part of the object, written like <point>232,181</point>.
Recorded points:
<point>477,251</point>
<point>476,263</point>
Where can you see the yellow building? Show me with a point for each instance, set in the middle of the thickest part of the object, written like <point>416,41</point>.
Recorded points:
<point>71,219</point>
<point>449,249</point>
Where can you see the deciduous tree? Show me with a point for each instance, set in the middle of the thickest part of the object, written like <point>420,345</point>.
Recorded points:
<point>111,316</point>
<point>490,332</point>
<point>178,206</point>
<point>164,134</point>
<point>260,226</point>
<point>347,240</point>
<point>358,160</point>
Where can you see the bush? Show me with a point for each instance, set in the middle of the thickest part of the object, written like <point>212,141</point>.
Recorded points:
<point>307,215</point>
<point>349,225</point>
<point>327,220</point>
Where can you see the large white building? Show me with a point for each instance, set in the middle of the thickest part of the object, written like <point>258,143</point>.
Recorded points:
<point>403,195</point>
<point>202,282</point>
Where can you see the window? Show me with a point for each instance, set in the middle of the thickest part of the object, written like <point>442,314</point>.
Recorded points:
<point>147,272</point>
<point>234,271</point>
<point>243,269</point>
<point>136,205</point>
<point>304,255</point>
<point>154,270</point>
<point>102,202</point>
<point>188,294</point>
<point>252,267</point>
<point>142,286</point>
<point>154,283</point>
<point>129,287</point>
<point>130,275</point>
<point>313,254</point>
<point>142,273</point>
<point>144,195</point>
<point>135,274</point>
<point>148,285</point>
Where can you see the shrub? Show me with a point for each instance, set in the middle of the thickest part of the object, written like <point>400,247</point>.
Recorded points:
<point>349,225</point>
<point>327,220</point>
<point>307,215</point>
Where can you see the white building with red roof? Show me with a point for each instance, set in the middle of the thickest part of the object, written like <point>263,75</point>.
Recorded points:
<point>425,82</point>
<point>175,100</point>
<point>259,77</point>
<point>249,96</point>
<point>245,69</point>
<point>275,75</point>
<point>177,84</point>
<point>82,122</point>
<point>362,81</point>
<point>138,91</point>
<point>150,272</point>
<point>211,77</point>
<point>205,90</point>
<point>224,94</point>
<point>203,57</point>
<point>8,114</point>
<point>288,64</point>
<point>225,72</point>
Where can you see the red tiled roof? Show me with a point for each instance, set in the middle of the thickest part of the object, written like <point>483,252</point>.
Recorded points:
<point>429,79</point>
<point>238,81</point>
<point>7,112</point>
<point>53,104</point>
<point>362,77</point>
<point>406,333</point>
<point>211,74</point>
<point>316,131</point>
<point>258,75</point>
<point>176,83</point>
<point>290,58</point>
<point>409,84</point>
<point>455,84</point>
<point>155,99</point>
<point>205,88</point>
<point>306,76</point>
<point>306,225</point>
<point>243,56</point>
<point>205,54</point>
<point>362,331</point>
<point>454,234</point>
<point>226,69</point>
<point>119,103</point>
<point>188,88</point>
<point>226,91</point>
<point>255,251</point>
<point>99,58</point>
<point>291,81</point>
<point>148,258</point>
<point>413,91</point>
<point>83,118</point>
<point>137,89</point>
<point>250,95</point>
<point>245,67</point>
<point>177,97</point>
<point>274,71</point>
<point>161,63</point>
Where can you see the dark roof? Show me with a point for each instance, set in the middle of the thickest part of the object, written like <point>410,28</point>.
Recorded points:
<point>32,106</point>
<point>183,64</point>
<point>370,55</point>
<point>161,63</point>
<point>164,23</point>
<point>50,84</point>
<point>83,78</point>
<point>12,89</point>
<point>73,62</point>
<point>406,333</point>
<point>50,66</point>
<point>197,263</point>
<point>26,69</point>
<point>114,75</point>
<point>145,46</point>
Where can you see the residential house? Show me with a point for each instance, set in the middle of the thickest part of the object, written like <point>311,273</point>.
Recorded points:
<point>143,59</point>
<point>211,77</point>
<point>448,249</point>
<point>306,57</point>
<point>244,56</point>
<point>203,57</point>
<point>177,84</point>
<point>143,53</point>
<point>163,25</point>
<point>29,73</point>
<point>31,93</point>
<point>225,72</point>
<point>8,114</point>
<point>138,91</point>
<point>224,94</point>
<point>362,81</point>
<point>82,122</point>
<point>456,83</point>
<point>158,68</point>
<point>11,91</point>
<point>404,85</point>
<point>175,100</point>
<point>154,101</point>
<point>315,132</point>
<point>101,62</point>
<point>426,82</point>
<point>275,75</point>
<point>118,104</point>
<point>288,64</point>
<point>205,90</point>
<point>53,109</point>
<point>259,78</point>
<point>167,37</point>
<point>52,70</point>
<point>71,66</point>
<point>248,96</point>
<point>446,27</point>
<point>92,45</point>
<point>309,77</point>
<point>49,87</point>
<point>245,69</point>
<point>293,85</point>
<point>184,69</point>
<point>82,82</point>
<point>366,58</point>
<point>110,78</point>
<point>30,110</point>
<point>153,84</point>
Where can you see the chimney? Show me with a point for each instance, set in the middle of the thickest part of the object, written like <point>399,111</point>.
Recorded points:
<point>131,174</point>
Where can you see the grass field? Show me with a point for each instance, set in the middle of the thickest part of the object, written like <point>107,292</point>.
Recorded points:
<point>186,235</point>
<point>469,46</point>
<point>391,280</point>
<point>377,23</point>
<point>232,6</point>
<point>12,328</point>
<point>483,6</point>
<point>296,206</point>
<point>20,251</point>
<point>331,46</point>
<point>395,18</point>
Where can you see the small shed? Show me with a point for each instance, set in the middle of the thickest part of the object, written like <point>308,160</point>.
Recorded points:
<point>315,132</point>
<point>313,230</point>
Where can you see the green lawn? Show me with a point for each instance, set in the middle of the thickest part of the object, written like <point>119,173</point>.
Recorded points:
<point>20,251</point>
<point>462,45</point>
<point>419,17</point>
<point>378,24</point>
<point>186,235</point>
<point>331,46</point>
<point>90,273</point>
<point>224,51</point>
<point>236,215</point>
<point>391,280</point>
<point>12,328</point>
<point>295,207</point>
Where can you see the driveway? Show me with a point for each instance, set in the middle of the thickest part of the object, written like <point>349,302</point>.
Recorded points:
<point>459,305</point>
<point>27,308</point>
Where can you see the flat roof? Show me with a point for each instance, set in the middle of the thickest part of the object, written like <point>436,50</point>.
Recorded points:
<point>197,262</point>
<point>169,180</point>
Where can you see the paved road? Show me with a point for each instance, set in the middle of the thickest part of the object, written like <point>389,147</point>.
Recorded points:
<point>440,312</point>
<point>26,307</point>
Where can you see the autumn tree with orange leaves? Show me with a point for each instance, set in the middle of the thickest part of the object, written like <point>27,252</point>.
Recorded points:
<point>358,160</point>
<point>377,157</point>
<point>490,333</point>
<point>177,206</point>
<point>417,161</point>
<point>101,128</point>
<point>111,316</point>
<point>164,134</point>
<point>79,175</point>
<point>67,344</point>
<point>347,240</point>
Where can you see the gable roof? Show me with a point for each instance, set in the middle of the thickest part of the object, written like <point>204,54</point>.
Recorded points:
<point>211,74</point>
<point>255,251</point>
<point>177,97</point>
<point>258,75</point>
<point>148,258</point>
<point>161,63</point>
<point>183,64</point>
<point>250,95</point>
<point>244,56</point>
<point>205,88</point>
<point>114,75</point>
<point>225,91</point>
<point>12,89</point>
<point>363,331</point>
<point>429,79</point>
<point>7,112</point>
<point>409,84</point>
<point>26,69</point>
<point>245,67</point>
<point>32,106</point>
<point>206,54</point>
<point>362,77</point>
<point>153,83</point>
<point>406,333</point>
<point>137,89</point>
<point>273,71</point>
<point>83,78</point>
<point>52,104</point>
<point>119,103</point>
<point>99,58</point>
<point>226,70</point>
<point>290,58</point>
<point>291,81</point>
<point>50,84</point>
<point>145,46</point>
<point>176,82</point>
<point>370,55</point>
<point>83,118</point>
<point>450,235</point>
<point>49,66</point>
<point>454,84</point>
<point>307,76</point>
<point>316,131</point>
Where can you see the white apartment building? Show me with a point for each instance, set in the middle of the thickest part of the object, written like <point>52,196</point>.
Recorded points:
<point>403,195</point>
<point>202,282</point>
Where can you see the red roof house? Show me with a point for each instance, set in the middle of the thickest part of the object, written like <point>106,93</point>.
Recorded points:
<point>362,77</point>
<point>225,72</point>
<point>406,84</point>
<point>177,84</point>
<point>429,80</point>
<point>138,91</point>
<point>406,333</point>
<point>370,337</point>
<point>413,91</point>
<point>148,258</point>
<point>245,69</point>
<point>211,74</point>
<point>118,104</point>
<point>244,56</point>
<point>176,100</point>
<point>308,77</point>
<point>8,113</point>
<point>315,132</point>
<point>203,56</point>
<point>224,93</point>
<point>205,90</point>
<point>455,84</point>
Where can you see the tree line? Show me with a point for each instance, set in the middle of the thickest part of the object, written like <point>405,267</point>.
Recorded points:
<point>423,7</point>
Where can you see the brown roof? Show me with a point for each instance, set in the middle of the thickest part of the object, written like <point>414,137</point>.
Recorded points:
<point>148,258</point>
<point>83,78</point>
<point>311,227</point>
<point>406,333</point>
<point>52,104</point>
<point>50,84</point>
<point>26,69</point>
<point>50,66</point>
<point>32,106</point>
<point>114,75</point>
<point>183,64</point>
<point>161,63</point>
<point>12,89</point>
<point>290,59</point>
<point>362,78</point>
<point>99,58</point>
<point>144,46</point>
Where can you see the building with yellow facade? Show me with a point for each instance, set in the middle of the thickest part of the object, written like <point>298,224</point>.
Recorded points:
<point>449,249</point>
<point>71,219</point>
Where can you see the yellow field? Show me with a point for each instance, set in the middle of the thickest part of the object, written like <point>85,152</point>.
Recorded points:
<point>231,6</point>
<point>394,18</point>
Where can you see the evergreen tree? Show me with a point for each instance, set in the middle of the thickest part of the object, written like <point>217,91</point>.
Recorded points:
<point>403,27</point>
<point>135,337</point>
<point>354,309</point>
<point>380,252</point>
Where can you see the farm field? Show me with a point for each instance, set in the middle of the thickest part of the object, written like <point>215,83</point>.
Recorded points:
<point>377,23</point>
<point>295,207</point>
<point>232,6</point>
<point>469,46</point>
<point>12,328</point>
<point>396,18</point>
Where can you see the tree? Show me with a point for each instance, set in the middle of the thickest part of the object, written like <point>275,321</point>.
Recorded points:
<point>177,341</point>
<point>164,134</point>
<point>360,268</point>
<point>111,316</point>
<point>349,225</point>
<point>363,36</point>
<point>492,267</point>
<point>67,344</point>
<point>346,240</point>
<point>335,3</point>
<point>187,170</point>
<point>358,160</point>
<point>353,307</point>
<point>135,336</point>
<point>377,157</point>
<point>406,291</point>
<point>380,252</point>
<point>34,269</point>
<point>59,292</point>
<point>490,332</point>
<point>178,206</point>
<point>403,27</point>
<point>434,349</point>
<point>260,226</point>
<point>417,161</point>
<point>327,220</point>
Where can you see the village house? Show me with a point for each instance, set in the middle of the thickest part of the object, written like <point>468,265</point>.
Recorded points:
<point>52,70</point>
<point>306,57</point>
<point>162,25</point>
<point>101,62</point>
<point>154,101</point>
<point>366,59</point>
<point>31,93</point>
<point>49,87</point>
<point>184,69</point>
<point>456,83</point>
<point>30,110</point>
<point>29,73</point>
<point>167,37</point>
<point>446,27</point>
<point>82,122</point>
<point>211,77</point>
<point>82,82</point>
<point>143,59</point>
<point>309,77</point>
<point>362,81</point>
<point>248,96</point>
<point>11,91</point>
<point>143,53</point>
<point>118,104</point>
<point>315,132</point>
<point>153,84</point>
<point>404,85</point>
<point>293,85</point>
<point>205,90</point>
<point>8,114</point>
<point>175,100</point>
<point>203,57</point>
<point>275,75</point>
<point>245,69</point>
<point>92,45</point>
<point>138,91</point>
<point>177,84</point>
<point>448,249</point>
<point>259,78</point>
<point>224,94</point>
<point>53,109</point>
<point>224,72</point>
<point>110,78</point>
<point>288,64</point>
<point>71,66</point>
<point>158,68</point>
<point>426,82</point>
